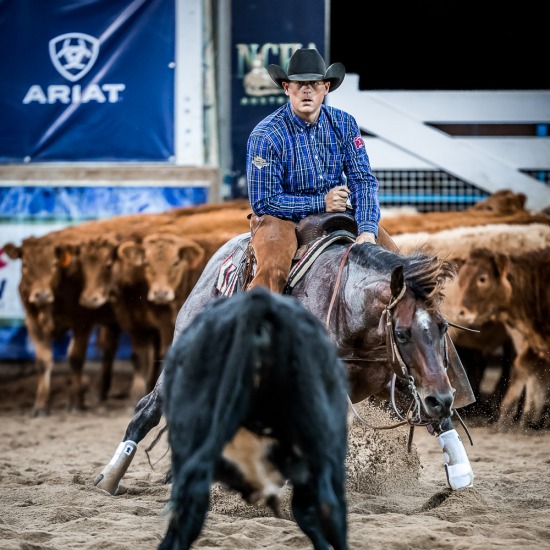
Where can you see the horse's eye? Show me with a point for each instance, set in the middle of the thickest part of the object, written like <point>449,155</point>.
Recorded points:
<point>402,336</point>
<point>482,279</point>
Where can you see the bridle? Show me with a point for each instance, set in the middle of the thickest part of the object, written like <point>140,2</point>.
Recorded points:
<point>413,415</point>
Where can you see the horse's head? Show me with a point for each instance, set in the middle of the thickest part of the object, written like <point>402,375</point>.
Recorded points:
<point>397,324</point>
<point>417,347</point>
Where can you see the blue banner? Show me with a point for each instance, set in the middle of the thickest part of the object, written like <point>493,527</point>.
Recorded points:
<point>265,32</point>
<point>87,81</point>
<point>26,211</point>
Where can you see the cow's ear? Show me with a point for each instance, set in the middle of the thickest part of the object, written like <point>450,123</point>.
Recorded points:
<point>131,252</point>
<point>193,253</point>
<point>501,263</point>
<point>14,252</point>
<point>64,255</point>
<point>397,281</point>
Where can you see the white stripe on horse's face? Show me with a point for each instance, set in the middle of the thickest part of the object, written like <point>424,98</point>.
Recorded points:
<point>423,318</point>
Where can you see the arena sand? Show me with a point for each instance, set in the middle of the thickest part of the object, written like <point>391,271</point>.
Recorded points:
<point>396,500</point>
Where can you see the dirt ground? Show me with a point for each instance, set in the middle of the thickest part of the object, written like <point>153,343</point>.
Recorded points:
<point>396,500</point>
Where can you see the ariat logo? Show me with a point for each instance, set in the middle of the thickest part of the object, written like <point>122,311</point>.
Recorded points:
<point>73,54</point>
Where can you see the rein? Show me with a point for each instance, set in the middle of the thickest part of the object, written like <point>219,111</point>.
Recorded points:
<point>337,286</point>
<point>413,416</point>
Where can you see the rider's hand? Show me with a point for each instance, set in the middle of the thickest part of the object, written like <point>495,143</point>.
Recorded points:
<point>336,199</point>
<point>365,238</point>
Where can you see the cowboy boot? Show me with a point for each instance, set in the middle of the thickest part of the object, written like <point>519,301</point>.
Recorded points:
<point>274,244</point>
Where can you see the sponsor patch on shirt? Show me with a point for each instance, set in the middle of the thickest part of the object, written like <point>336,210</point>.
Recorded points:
<point>358,142</point>
<point>259,162</point>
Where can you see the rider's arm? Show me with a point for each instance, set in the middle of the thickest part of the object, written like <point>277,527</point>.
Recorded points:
<point>361,181</point>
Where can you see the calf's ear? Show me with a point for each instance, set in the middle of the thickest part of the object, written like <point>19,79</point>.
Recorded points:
<point>131,252</point>
<point>193,253</point>
<point>14,252</point>
<point>501,262</point>
<point>64,255</point>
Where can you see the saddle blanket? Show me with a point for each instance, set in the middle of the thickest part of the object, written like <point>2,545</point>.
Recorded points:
<point>231,274</point>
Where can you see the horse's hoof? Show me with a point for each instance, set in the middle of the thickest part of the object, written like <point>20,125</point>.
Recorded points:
<point>40,413</point>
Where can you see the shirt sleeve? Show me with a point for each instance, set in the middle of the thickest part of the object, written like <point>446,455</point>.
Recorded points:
<point>362,183</point>
<point>264,173</point>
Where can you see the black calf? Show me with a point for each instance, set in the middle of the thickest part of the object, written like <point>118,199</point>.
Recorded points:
<point>257,361</point>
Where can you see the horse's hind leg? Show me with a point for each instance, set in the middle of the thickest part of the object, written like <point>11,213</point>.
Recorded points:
<point>147,415</point>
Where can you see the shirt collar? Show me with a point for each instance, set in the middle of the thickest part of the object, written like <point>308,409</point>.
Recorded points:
<point>302,123</point>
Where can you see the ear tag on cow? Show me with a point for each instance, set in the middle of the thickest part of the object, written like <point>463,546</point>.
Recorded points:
<point>65,259</point>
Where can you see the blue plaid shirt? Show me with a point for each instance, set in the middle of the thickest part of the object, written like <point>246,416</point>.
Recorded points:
<point>291,165</point>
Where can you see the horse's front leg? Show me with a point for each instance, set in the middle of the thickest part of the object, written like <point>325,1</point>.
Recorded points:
<point>457,465</point>
<point>147,415</point>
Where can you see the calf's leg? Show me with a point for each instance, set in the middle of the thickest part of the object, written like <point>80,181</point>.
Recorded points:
<point>108,342</point>
<point>189,504</point>
<point>44,362</point>
<point>77,355</point>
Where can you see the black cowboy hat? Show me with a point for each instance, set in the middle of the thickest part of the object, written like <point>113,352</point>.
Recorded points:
<point>307,64</point>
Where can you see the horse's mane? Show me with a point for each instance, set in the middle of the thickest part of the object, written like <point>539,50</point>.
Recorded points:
<point>425,274</point>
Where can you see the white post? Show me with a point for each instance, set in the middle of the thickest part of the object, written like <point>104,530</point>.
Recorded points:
<point>189,108</point>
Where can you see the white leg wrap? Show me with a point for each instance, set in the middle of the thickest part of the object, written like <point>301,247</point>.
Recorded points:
<point>111,475</point>
<point>457,466</point>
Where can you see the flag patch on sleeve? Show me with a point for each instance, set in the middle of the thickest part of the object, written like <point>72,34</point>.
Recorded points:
<point>358,142</point>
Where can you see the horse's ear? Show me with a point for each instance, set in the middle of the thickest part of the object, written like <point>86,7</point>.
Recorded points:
<point>397,281</point>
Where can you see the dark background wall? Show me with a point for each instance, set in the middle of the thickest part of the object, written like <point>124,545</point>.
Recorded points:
<point>442,44</point>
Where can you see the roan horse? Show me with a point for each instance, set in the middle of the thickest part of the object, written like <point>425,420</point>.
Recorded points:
<point>272,383</point>
<point>382,309</point>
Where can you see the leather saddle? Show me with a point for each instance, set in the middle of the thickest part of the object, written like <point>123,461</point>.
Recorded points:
<point>314,233</point>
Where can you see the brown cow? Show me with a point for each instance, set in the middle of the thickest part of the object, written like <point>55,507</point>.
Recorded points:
<point>146,281</point>
<point>513,289</point>
<point>145,221</point>
<point>50,285</point>
<point>492,344</point>
<point>457,243</point>
<point>233,220</point>
<point>500,207</point>
<point>152,281</point>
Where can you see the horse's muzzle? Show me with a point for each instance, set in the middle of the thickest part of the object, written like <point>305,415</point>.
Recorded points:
<point>439,405</point>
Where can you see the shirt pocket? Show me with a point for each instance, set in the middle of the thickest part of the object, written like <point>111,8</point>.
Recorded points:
<point>334,165</point>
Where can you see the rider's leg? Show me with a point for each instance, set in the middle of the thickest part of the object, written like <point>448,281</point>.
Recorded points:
<point>274,244</point>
